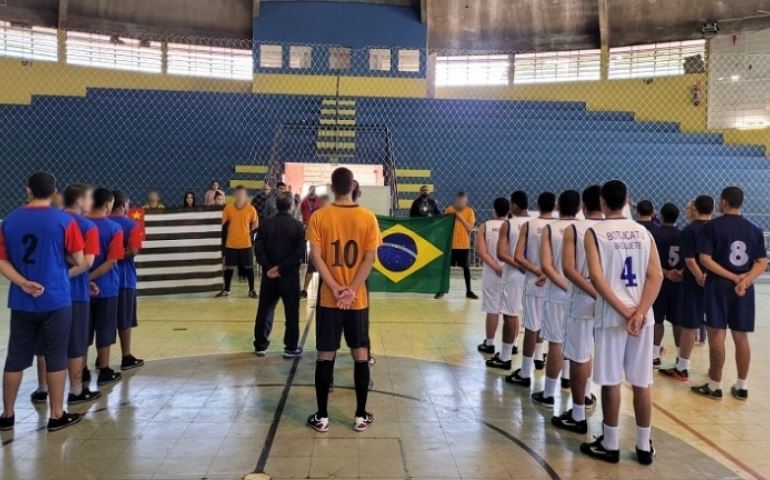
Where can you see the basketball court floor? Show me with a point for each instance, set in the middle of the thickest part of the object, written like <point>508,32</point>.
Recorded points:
<point>204,407</point>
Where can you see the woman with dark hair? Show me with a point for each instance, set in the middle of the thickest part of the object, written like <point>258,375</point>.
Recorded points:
<point>189,200</point>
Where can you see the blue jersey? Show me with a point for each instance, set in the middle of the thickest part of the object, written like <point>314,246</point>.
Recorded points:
<point>650,225</point>
<point>734,242</point>
<point>668,240</point>
<point>110,248</point>
<point>132,238</point>
<point>36,241</point>
<point>79,284</point>
<point>688,244</point>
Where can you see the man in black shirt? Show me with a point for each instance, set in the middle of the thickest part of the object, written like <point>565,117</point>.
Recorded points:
<point>424,206</point>
<point>279,249</point>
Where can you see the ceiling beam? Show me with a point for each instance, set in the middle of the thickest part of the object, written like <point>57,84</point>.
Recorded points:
<point>63,8</point>
<point>604,24</point>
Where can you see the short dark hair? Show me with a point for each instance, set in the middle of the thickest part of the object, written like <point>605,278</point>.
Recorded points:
<point>218,193</point>
<point>501,206</point>
<point>569,203</point>
<point>239,187</point>
<point>120,199</point>
<point>704,204</point>
<point>42,185</point>
<point>73,193</point>
<point>520,199</point>
<point>546,202</point>
<point>280,184</point>
<point>733,196</point>
<point>614,194</point>
<point>342,181</point>
<point>284,201</point>
<point>461,194</point>
<point>102,197</point>
<point>591,198</point>
<point>645,207</point>
<point>669,212</point>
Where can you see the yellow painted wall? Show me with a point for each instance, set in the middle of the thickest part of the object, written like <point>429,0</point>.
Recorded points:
<point>280,83</point>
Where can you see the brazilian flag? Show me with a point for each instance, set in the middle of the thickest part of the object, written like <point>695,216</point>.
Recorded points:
<point>414,255</point>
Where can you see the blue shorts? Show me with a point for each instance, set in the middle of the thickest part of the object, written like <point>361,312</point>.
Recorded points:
<point>127,309</point>
<point>692,306</point>
<point>43,331</point>
<point>79,332</point>
<point>666,306</point>
<point>725,309</point>
<point>104,321</point>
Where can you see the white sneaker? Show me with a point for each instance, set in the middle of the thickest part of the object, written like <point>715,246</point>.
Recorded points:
<point>319,424</point>
<point>362,423</point>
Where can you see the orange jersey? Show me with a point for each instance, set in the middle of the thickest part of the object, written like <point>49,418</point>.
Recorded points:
<point>239,222</point>
<point>344,234</point>
<point>461,238</point>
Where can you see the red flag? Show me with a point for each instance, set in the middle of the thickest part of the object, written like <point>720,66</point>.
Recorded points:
<point>137,215</point>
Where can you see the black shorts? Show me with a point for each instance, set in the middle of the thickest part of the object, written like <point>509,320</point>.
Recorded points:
<point>725,309</point>
<point>42,333</point>
<point>104,321</point>
<point>692,305</point>
<point>666,306</point>
<point>127,309</point>
<point>459,257</point>
<point>332,322</point>
<point>239,257</point>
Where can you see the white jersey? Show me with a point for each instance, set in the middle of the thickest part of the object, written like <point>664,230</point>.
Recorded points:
<point>535,227</point>
<point>491,235</point>
<point>582,305</point>
<point>555,233</point>
<point>624,251</point>
<point>514,275</point>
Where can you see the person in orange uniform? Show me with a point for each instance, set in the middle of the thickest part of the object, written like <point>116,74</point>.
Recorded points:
<point>239,219</point>
<point>465,218</point>
<point>343,240</point>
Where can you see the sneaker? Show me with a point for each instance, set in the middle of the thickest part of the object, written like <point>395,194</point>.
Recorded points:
<point>438,296</point>
<point>253,294</point>
<point>319,424</point>
<point>656,363</point>
<point>590,402</point>
<point>362,423</point>
<point>293,352</point>
<point>85,378</point>
<point>6,423</point>
<point>130,362</point>
<point>566,422</point>
<point>38,397</point>
<point>484,348</point>
<point>514,350</point>
<point>223,293</point>
<point>260,353</point>
<point>516,379</point>
<point>674,374</point>
<point>565,384</point>
<point>541,399</point>
<point>540,364</point>
<point>595,449</point>
<point>645,457</point>
<point>302,294</point>
<point>705,391</point>
<point>107,376</point>
<point>739,393</point>
<point>66,420</point>
<point>85,396</point>
<point>471,295</point>
<point>495,362</point>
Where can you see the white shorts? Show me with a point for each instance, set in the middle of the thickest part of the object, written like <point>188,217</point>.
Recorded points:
<point>492,292</point>
<point>578,339</point>
<point>533,312</point>
<point>617,354</point>
<point>513,296</point>
<point>553,322</point>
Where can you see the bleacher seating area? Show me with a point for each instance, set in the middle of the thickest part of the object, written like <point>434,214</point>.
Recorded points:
<point>174,141</point>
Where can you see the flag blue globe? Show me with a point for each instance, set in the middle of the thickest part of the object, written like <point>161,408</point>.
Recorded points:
<point>398,252</point>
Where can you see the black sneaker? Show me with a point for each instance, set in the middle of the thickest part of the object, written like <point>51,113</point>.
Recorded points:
<point>516,379</point>
<point>656,363</point>
<point>85,378</point>
<point>645,457</point>
<point>319,424</point>
<point>590,402</point>
<point>495,362</point>
<point>565,384</point>
<point>107,376</point>
<point>471,295</point>
<point>484,348</point>
<point>253,294</point>
<point>514,350</point>
<point>739,393</point>
<point>705,391</point>
<point>540,364</point>
<point>6,423</point>
<point>129,362</point>
<point>85,396</point>
<point>302,294</point>
<point>292,352</point>
<point>438,296</point>
<point>223,293</point>
<point>566,422</point>
<point>38,397</point>
<point>595,449</point>
<point>541,399</point>
<point>64,421</point>
<point>260,353</point>
<point>674,374</point>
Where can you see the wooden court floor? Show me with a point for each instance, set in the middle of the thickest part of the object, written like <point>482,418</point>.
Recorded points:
<point>204,407</point>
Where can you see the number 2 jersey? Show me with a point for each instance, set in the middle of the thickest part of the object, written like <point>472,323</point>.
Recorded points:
<point>624,252</point>
<point>344,233</point>
<point>734,242</point>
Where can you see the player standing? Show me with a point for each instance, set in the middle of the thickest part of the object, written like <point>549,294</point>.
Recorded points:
<point>668,239</point>
<point>732,249</point>
<point>465,218</point>
<point>625,271</point>
<point>239,219</point>
<point>343,241</point>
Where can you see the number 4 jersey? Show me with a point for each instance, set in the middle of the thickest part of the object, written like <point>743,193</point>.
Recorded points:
<point>624,250</point>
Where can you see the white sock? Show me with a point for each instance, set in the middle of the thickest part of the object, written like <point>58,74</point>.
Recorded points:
<point>565,370</point>
<point>715,385</point>
<point>506,351</point>
<point>489,342</point>
<point>643,438</point>
<point>42,388</point>
<point>578,412</point>
<point>538,351</point>
<point>526,367</point>
<point>683,364</point>
<point>741,384</point>
<point>76,390</point>
<point>655,352</point>
<point>550,386</point>
<point>610,441</point>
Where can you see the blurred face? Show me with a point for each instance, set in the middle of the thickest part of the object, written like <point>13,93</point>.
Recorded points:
<point>461,202</point>
<point>424,192</point>
<point>311,192</point>
<point>240,197</point>
<point>188,199</point>
<point>215,186</point>
<point>153,197</point>
<point>281,188</point>
<point>86,202</point>
<point>323,201</point>
<point>57,201</point>
<point>219,200</point>
<point>266,190</point>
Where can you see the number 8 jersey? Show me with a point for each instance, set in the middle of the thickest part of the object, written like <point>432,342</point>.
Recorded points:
<point>624,252</point>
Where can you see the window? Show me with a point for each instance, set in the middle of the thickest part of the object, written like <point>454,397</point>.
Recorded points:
<point>473,70</point>
<point>213,62</point>
<point>339,58</point>
<point>656,59</point>
<point>408,60</point>
<point>270,56</point>
<point>300,57</point>
<point>379,59</point>
<point>554,67</point>
<point>104,51</point>
<point>30,43</point>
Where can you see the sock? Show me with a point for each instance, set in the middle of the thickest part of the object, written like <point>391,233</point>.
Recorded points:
<point>578,412</point>
<point>250,277</point>
<point>683,364</point>
<point>527,364</point>
<point>505,353</point>
<point>361,378</point>
<point>610,441</point>
<point>565,370</point>
<point>715,385</point>
<point>550,387</point>
<point>467,275</point>
<point>42,388</point>
<point>489,342</point>
<point>741,384</point>
<point>643,438</point>
<point>76,390</point>
<point>324,369</point>
<point>538,351</point>
<point>655,352</point>
<point>228,279</point>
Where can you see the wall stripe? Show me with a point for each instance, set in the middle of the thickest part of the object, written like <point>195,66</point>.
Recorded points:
<point>251,169</point>
<point>412,173</point>
<point>413,187</point>
<point>252,184</point>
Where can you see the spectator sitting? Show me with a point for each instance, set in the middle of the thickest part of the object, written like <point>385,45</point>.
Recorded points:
<point>189,200</point>
<point>219,199</point>
<point>210,197</point>
<point>153,201</point>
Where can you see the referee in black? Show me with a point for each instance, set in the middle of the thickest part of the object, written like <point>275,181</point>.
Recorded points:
<point>279,249</point>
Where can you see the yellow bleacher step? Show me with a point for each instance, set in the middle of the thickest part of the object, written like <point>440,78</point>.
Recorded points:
<point>337,133</point>
<point>336,145</point>
<point>338,112</point>
<point>251,169</point>
<point>405,203</point>
<point>334,101</point>
<point>413,187</point>
<point>412,173</point>
<point>334,121</point>
<point>250,184</point>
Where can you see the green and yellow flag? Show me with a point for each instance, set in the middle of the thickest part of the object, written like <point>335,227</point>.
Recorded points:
<point>414,255</point>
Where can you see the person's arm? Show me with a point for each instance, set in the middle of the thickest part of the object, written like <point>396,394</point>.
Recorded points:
<point>467,225</point>
<point>260,249</point>
<point>569,263</point>
<point>316,255</point>
<point>113,255</point>
<point>652,284</point>
<point>254,223</point>
<point>414,211</point>
<point>29,287</point>
<point>134,243</point>
<point>758,268</point>
<point>90,250</point>
<point>520,254</point>
<point>697,272</point>
<point>74,244</point>
<point>546,260</point>
<point>599,281</point>
<point>712,266</point>
<point>486,257</point>
<point>502,245</point>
